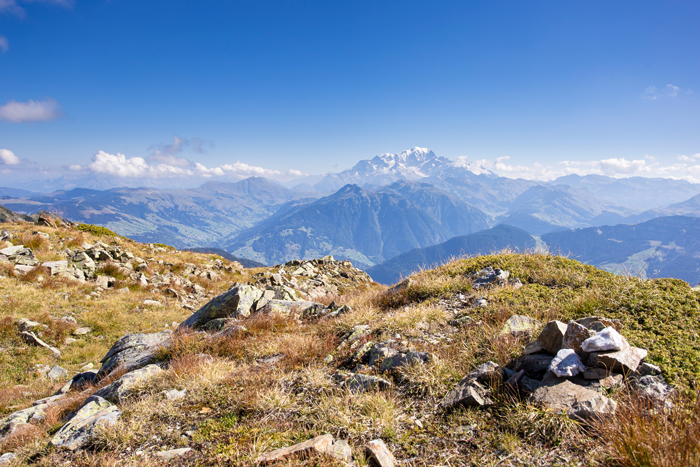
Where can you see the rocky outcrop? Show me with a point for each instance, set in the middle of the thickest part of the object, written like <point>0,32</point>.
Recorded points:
<point>125,385</point>
<point>133,351</point>
<point>77,433</point>
<point>314,279</point>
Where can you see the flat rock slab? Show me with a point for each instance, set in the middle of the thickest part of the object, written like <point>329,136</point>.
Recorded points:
<point>625,361</point>
<point>576,401</point>
<point>133,351</point>
<point>120,389</point>
<point>234,303</point>
<point>34,413</point>
<point>172,453</point>
<point>359,382</point>
<point>292,307</point>
<point>403,359</point>
<point>316,446</point>
<point>380,454</point>
<point>81,429</point>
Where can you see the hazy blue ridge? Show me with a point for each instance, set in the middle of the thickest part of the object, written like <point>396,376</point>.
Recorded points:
<point>483,242</point>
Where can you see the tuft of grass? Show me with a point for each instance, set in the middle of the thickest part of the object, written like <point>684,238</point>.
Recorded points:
<point>96,230</point>
<point>641,434</point>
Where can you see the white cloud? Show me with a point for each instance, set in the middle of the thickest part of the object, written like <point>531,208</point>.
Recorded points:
<point>8,157</point>
<point>30,111</point>
<point>614,167</point>
<point>652,93</point>
<point>11,6</point>
<point>165,153</point>
<point>622,166</point>
<point>137,167</point>
<point>4,44</point>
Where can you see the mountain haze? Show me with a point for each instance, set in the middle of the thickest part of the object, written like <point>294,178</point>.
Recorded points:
<point>364,226</point>
<point>479,243</point>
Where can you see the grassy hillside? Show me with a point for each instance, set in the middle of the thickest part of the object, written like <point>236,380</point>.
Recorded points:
<point>479,243</point>
<point>283,380</point>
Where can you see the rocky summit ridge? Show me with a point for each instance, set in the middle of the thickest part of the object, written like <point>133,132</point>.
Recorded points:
<point>508,359</point>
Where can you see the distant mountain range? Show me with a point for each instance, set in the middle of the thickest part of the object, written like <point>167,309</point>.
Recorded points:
<point>196,217</point>
<point>378,209</point>
<point>364,226</point>
<point>662,247</point>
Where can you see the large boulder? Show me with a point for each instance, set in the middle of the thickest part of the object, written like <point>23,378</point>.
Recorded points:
<point>125,386</point>
<point>576,401</point>
<point>133,351</point>
<point>234,303</point>
<point>81,429</point>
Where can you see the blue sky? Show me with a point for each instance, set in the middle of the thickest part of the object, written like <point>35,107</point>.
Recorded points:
<point>316,86</point>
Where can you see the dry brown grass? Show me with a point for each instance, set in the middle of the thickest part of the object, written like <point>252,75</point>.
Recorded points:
<point>642,434</point>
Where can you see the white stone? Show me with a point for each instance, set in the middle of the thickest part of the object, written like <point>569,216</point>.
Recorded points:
<point>607,339</point>
<point>566,363</point>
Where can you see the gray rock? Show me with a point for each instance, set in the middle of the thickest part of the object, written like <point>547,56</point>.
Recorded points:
<point>23,324</point>
<point>83,380</point>
<point>594,373</point>
<point>607,339</point>
<point>654,388</point>
<point>341,450</point>
<point>576,401</point>
<point>125,386</point>
<point>489,277</point>
<point>31,338</point>
<point>535,365</point>
<point>56,373</point>
<point>519,326</point>
<point>84,263</point>
<point>82,331</point>
<point>174,394</point>
<point>234,303</point>
<point>172,453</point>
<point>55,267</point>
<point>533,347</point>
<point>574,337</point>
<point>359,382</point>
<point>377,451</point>
<point>11,251</point>
<point>647,369</point>
<point>318,445</point>
<point>378,352</point>
<point>597,323</point>
<point>472,390</point>
<point>552,336</point>
<point>80,430</point>
<point>7,458</point>
<point>521,383</point>
<point>624,361</point>
<point>479,303</point>
<point>566,363</point>
<point>404,359</point>
<point>105,281</point>
<point>35,413</point>
<point>300,308</point>
<point>133,351</point>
